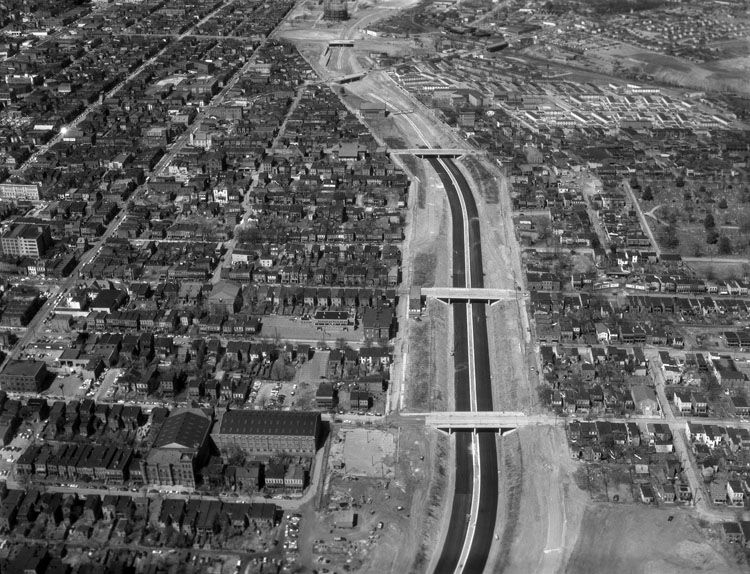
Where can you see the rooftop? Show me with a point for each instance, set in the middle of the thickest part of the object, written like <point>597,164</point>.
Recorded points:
<point>23,368</point>
<point>300,423</point>
<point>187,429</point>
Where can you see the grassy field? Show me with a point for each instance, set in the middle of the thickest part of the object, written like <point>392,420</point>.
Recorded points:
<point>682,212</point>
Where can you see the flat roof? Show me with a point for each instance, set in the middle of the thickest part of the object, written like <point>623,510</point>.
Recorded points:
<point>23,368</point>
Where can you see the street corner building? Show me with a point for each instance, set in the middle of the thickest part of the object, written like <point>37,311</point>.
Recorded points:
<point>180,449</point>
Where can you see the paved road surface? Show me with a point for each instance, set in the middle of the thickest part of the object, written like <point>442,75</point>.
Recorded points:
<point>468,551</point>
<point>461,508</point>
<point>488,483</point>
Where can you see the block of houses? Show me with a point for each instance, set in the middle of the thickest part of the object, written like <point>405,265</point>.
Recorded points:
<point>718,492</point>
<point>359,399</point>
<point>735,493</point>
<point>732,532</point>
<point>683,401</point>
<point>647,493</point>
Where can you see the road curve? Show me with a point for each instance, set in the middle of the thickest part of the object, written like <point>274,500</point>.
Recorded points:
<point>487,509</point>
<point>461,508</point>
<point>484,522</point>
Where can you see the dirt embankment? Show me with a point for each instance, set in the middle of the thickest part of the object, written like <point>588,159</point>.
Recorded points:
<point>436,504</point>
<point>540,507</point>
<point>429,386</point>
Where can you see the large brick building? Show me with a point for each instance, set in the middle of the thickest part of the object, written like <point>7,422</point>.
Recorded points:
<point>23,377</point>
<point>26,240</point>
<point>335,10</point>
<point>19,191</point>
<point>268,432</point>
<point>180,449</point>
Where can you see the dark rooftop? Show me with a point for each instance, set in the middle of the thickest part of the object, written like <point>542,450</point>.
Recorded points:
<point>23,368</point>
<point>270,422</point>
<point>187,429</point>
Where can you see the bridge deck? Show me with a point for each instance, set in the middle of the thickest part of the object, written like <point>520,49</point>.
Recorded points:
<point>484,419</point>
<point>471,294</point>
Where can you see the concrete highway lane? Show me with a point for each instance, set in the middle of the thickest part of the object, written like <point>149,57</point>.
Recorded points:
<point>487,511</point>
<point>484,528</point>
<point>461,508</point>
<point>463,491</point>
<point>472,215</point>
<point>468,551</point>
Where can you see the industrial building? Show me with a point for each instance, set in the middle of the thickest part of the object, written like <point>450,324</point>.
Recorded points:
<point>269,432</point>
<point>26,240</point>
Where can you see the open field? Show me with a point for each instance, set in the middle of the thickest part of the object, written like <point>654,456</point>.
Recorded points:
<point>722,74</point>
<point>721,269</point>
<point>636,538</point>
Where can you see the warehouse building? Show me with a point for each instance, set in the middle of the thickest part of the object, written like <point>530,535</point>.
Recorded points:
<point>23,377</point>
<point>268,432</point>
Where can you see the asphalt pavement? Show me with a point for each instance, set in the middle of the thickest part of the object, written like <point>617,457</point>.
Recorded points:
<point>485,519</point>
<point>464,212</point>
<point>462,495</point>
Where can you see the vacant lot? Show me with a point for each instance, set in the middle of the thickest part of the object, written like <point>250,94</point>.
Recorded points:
<point>392,512</point>
<point>369,453</point>
<point>636,538</point>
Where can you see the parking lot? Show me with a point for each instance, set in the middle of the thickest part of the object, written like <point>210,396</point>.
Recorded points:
<point>108,389</point>
<point>9,453</point>
<point>66,386</point>
<point>276,395</point>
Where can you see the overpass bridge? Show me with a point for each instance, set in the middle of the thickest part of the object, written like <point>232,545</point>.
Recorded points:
<point>500,421</point>
<point>341,43</point>
<point>472,295</point>
<point>437,152</point>
<point>348,78</point>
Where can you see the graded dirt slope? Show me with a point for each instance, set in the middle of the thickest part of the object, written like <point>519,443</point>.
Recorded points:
<point>540,507</point>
